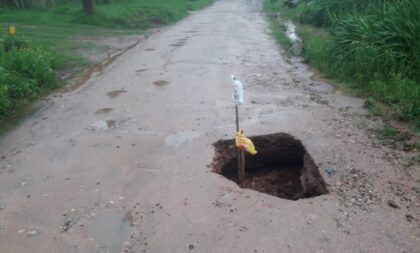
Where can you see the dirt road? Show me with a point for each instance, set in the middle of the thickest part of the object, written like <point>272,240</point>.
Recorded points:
<point>121,164</point>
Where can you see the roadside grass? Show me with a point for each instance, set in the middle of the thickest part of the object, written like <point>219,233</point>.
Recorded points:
<point>26,72</point>
<point>279,33</point>
<point>47,39</point>
<point>376,55</point>
<point>116,14</point>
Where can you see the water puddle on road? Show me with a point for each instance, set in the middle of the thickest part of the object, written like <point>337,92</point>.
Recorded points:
<point>115,93</point>
<point>103,111</point>
<point>180,138</point>
<point>178,44</point>
<point>109,229</point>
<point>294,37</point>
<point>282,167</point>
<point>160,83</point>
<point>103,125</point>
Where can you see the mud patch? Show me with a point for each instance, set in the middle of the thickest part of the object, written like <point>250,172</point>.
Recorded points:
<point>282,167</point>
<point>180,44</point>
<point>103,111</point>
<point>115,93</point>
<point>160,83</point>
<point>149,49</point>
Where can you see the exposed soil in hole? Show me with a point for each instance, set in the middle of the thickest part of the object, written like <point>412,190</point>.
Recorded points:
<point>160,83</point>
<point>115,93</point>
<point>141,70</point>
<point>282,167</point>
<point>104,111</point>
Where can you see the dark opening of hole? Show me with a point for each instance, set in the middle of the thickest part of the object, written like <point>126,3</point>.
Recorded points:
<point>282,167</point>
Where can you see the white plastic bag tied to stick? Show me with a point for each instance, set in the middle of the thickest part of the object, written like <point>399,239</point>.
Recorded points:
<point>238,91</point>
<point>238,98</point>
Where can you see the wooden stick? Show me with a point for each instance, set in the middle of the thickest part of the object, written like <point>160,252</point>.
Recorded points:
<point>241,153</point>
<point>238,149</point>
<point>237,118</point>
<point>242,167</point>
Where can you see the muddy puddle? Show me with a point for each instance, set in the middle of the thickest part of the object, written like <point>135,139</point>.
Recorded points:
<point>178,44</point>
<point>115,93</point>
<point>109,229</point>
<point>282,167</point>
<point>160,83</point>
<point>103,111</point>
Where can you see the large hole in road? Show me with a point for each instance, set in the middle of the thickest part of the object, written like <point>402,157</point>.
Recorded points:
<point>282,167</point>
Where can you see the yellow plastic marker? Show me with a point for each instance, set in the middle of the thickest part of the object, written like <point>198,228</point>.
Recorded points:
<point>12,30</point>
<point>243,142</point>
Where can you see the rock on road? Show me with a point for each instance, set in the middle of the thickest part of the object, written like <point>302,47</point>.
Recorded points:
<point>121,163</point>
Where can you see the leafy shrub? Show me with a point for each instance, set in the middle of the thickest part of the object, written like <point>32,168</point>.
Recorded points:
<point>372,45</point>
<point>24,75</point>
<point>34,64</point>
<point>14,42</point>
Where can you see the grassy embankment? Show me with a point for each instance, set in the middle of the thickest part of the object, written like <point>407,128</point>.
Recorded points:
<point>371,46</point>
<point>46,39</point>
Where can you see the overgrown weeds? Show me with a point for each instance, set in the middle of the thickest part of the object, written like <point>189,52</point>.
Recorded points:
<point>373,46</point>
<point>26,72</point>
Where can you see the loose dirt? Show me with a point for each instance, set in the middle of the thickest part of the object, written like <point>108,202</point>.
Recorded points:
<point>282,167</point>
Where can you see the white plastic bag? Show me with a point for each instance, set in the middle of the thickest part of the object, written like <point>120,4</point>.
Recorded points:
<point>238,91</point>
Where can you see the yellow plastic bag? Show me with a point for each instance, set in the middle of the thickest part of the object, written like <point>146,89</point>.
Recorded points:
<point>243,142</point>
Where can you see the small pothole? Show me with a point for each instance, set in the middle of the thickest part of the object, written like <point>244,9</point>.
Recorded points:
<point>282,167</point>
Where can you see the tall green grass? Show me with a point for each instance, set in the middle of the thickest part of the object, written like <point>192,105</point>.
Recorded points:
<point>26,72</point>
<point>372,45</point>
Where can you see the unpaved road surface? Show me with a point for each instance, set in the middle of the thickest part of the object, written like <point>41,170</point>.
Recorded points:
<point>121,163</point>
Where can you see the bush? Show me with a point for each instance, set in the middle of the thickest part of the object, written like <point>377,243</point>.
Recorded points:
<point>25,74</point>
<point>13,42</point>
<point>370,45</point>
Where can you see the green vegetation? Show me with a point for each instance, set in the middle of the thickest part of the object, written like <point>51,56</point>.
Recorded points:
<point>118,13</point>
<point>50,32</point>
<point>373,46</point>
<point>25,73</point>
<point>279,33</point>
